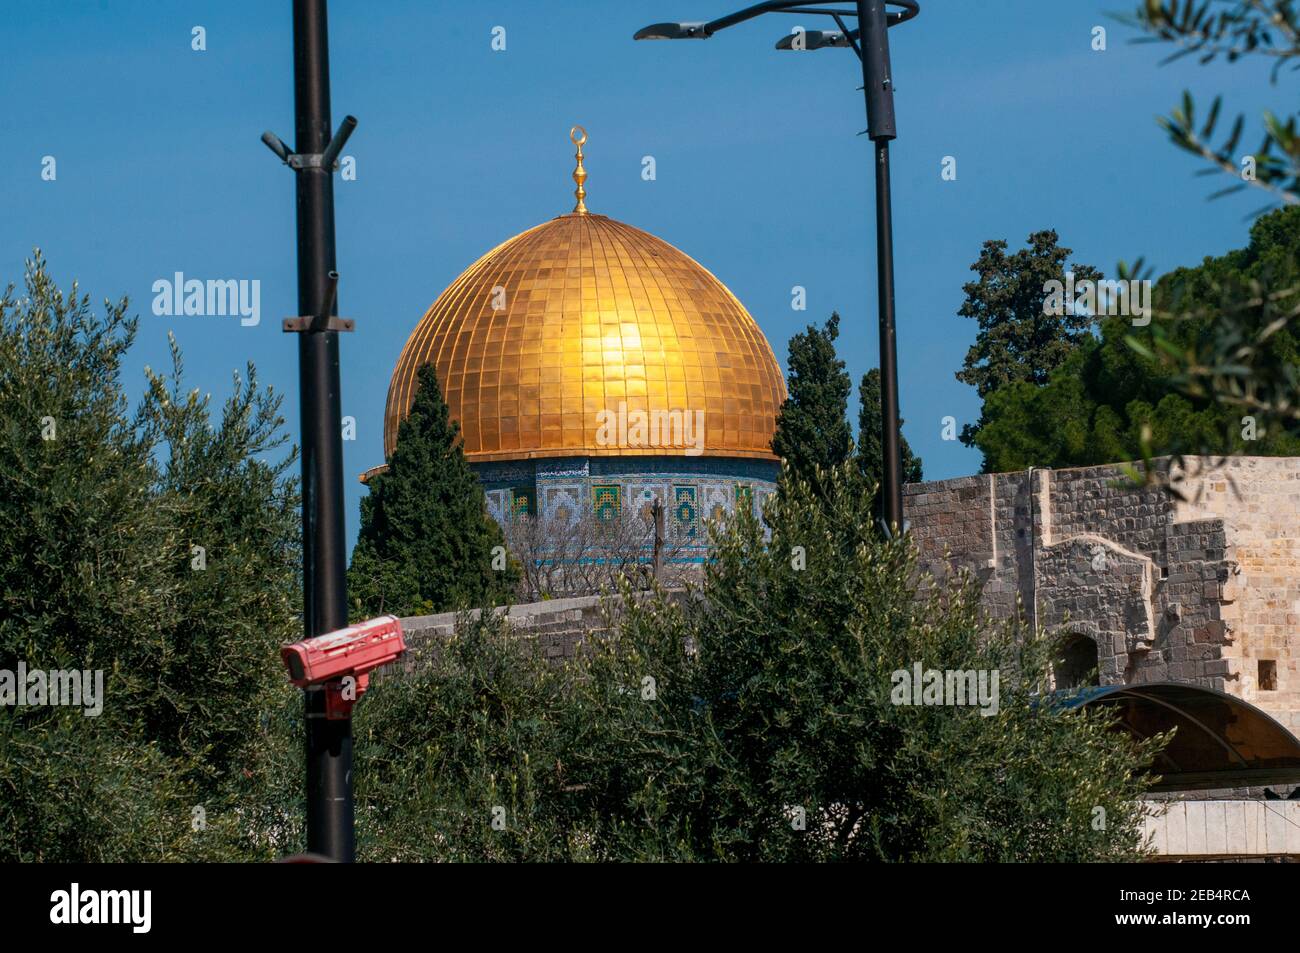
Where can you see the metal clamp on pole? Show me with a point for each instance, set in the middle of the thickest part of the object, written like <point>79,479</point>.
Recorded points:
<point>323,321</point>
<point>328,160</point>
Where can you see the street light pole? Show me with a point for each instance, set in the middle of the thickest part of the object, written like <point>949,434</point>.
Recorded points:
<point>870,41</point>
<point>328,741</point>
<point>878,89</point>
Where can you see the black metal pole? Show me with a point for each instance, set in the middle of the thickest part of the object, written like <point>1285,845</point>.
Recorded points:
<point>892,463</point>
<point>328,742</point>
<point>878,88</point>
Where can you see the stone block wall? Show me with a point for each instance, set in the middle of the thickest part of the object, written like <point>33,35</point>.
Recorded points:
<point>1200,590</point>
<point>1258,501</point>
<point>1223,829</point>
<point>556,626</point>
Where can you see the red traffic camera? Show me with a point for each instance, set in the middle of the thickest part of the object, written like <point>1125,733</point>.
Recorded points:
<point>331,659</point>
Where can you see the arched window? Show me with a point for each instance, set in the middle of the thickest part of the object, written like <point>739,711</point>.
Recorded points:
<point>1076,663</point>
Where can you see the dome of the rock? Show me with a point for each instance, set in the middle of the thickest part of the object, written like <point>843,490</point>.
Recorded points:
<point>594,368</point>
<point>576,317</point>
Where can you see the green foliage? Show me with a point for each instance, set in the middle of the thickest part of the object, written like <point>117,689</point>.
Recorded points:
<point>474,727</point>
<point>692,732</point>
<point>698,729</point>
<point>99,514</point>
<point>812,432</point>
<point>1017,341</point>
<point>426,541</point>
<point>1129,391</point>
<point>1228,338</point>
<point>1236,359</point>
<point>1231,30</point>
<point>812,428</point>
<point>870,452</point>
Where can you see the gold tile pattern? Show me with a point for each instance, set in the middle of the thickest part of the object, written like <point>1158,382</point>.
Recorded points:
<point>596,314</point>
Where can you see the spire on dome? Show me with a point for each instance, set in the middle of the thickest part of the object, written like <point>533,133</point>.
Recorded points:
<point>578,136</point>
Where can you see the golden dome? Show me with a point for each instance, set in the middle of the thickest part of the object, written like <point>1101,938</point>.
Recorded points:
<point>548,334</point>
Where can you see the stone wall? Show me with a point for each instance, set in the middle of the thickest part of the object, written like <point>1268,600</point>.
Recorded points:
<point>1224,829</point>
<point>556,626</point>
<point>1258,501</point>
<point>1201,590</point>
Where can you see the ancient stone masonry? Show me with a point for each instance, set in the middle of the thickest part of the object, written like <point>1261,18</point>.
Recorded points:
<point>555,627</point>
<point>1142,585</point>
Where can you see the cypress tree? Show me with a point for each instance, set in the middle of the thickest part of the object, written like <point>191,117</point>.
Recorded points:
<point>870,451</point>
<point>427,542</point>
<point>812,428</point>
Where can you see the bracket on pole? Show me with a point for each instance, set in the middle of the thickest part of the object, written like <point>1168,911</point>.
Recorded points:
<point>323,321</point>
<point>850,35</point>
<point>327,160</point>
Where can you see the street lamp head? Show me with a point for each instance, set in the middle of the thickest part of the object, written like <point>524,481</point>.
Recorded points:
<point>813,40</point>
<point>672,31</point>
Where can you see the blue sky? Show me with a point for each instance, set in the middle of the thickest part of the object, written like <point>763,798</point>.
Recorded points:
<point>760,175</point>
